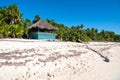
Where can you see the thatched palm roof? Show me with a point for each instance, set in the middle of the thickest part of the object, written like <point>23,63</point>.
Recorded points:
<point>42,25</point>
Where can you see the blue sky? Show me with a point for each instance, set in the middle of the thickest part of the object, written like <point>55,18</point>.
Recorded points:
<point>100,14</point>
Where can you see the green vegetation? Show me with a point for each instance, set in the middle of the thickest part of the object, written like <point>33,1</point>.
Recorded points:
<point>78,33</point>
<point>14,26</point>
<point>11,23</point>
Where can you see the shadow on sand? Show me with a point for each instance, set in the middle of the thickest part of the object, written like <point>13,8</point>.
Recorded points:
<point>106,59</point>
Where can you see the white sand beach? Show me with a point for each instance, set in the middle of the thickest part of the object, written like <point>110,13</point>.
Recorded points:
<point>22,59</point>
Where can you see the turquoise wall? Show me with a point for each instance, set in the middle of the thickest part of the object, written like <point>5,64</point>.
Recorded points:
<point>42,36</point>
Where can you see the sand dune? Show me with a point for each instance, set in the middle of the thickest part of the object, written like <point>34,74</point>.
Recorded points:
<point>22,59</point>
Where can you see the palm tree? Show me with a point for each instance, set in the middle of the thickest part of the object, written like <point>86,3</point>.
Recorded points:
<point>36,18</point>
<point>27,22</point>
<point>11,23</point>
<point>80,27</point>
<point>16,31</point>
<point>15,15</point>
<point>11,15</point>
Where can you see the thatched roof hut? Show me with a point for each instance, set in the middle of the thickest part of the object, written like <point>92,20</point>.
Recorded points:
<point>42,25</point>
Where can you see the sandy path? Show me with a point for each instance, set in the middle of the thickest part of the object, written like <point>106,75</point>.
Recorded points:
<point>44,60</point>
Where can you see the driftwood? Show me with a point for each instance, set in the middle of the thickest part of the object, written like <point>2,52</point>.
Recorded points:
<point>80,41</point>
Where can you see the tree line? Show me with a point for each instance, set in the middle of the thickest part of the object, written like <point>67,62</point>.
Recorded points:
<point>78,33</point>
<point>12,25</point>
